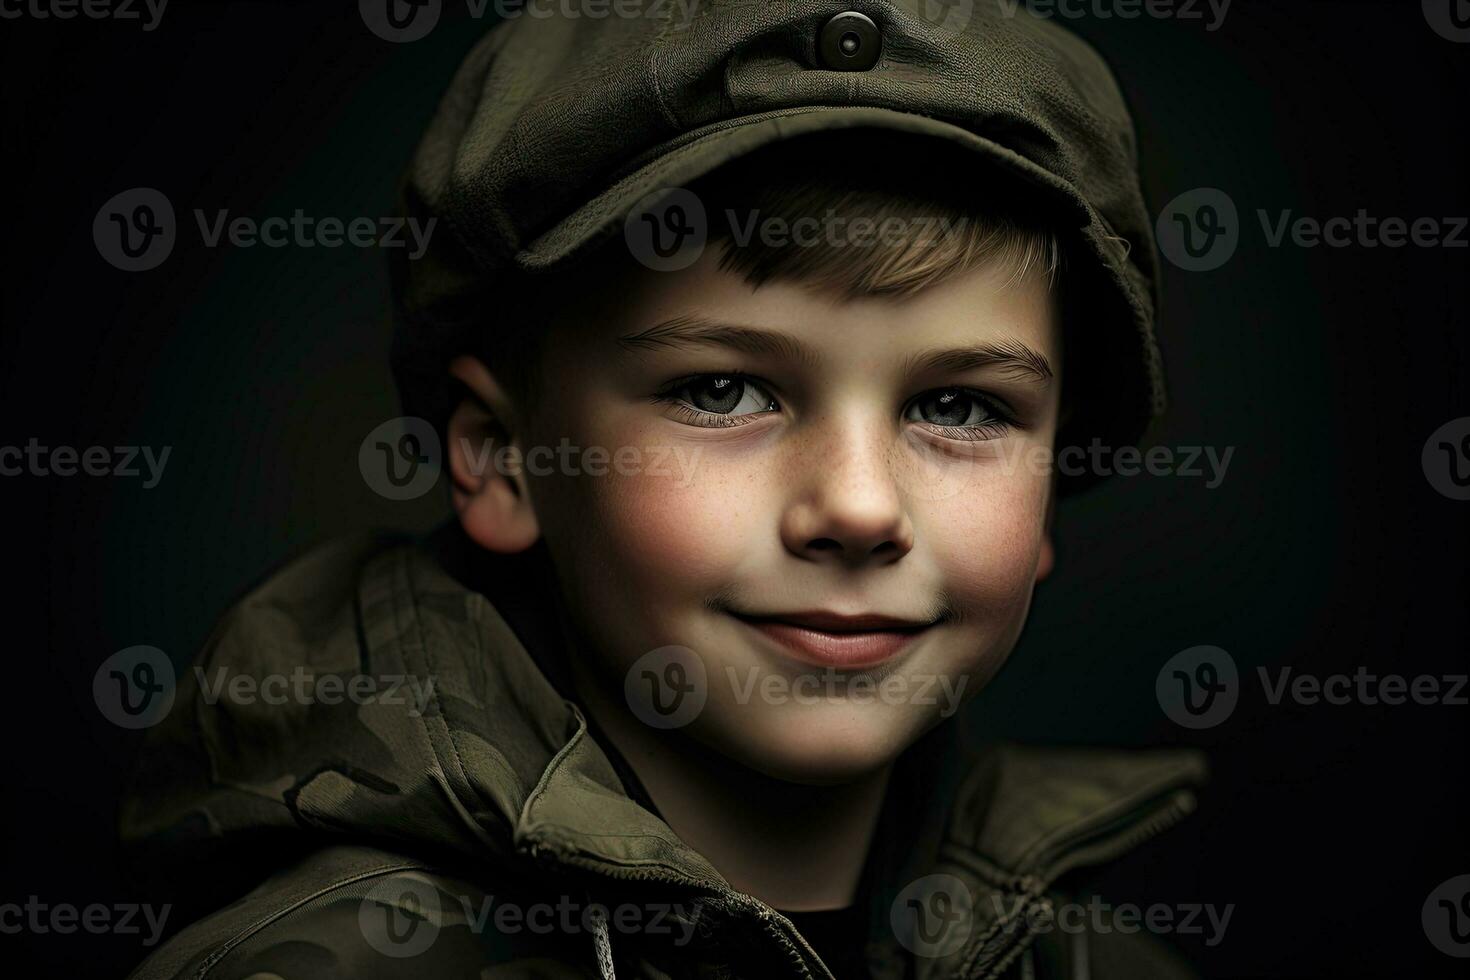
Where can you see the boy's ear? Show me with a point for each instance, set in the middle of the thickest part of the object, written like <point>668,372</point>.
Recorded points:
<point>488,483</point>
<point>1047,560</point>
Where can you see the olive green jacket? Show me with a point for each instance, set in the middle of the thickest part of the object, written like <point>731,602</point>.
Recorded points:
<point>475,828</point>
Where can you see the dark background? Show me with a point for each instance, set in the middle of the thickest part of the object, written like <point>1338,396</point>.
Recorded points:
<point>1325,548</point>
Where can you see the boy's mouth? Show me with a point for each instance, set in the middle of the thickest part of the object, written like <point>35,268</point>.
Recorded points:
<point>828,639</point>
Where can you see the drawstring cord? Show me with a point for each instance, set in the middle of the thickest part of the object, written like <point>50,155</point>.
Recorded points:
<point>602,942</point>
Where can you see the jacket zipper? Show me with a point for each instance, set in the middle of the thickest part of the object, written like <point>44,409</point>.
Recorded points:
<point>1064,856</point>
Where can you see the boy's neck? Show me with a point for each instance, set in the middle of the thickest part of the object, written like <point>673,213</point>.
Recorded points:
<point>796,847</point>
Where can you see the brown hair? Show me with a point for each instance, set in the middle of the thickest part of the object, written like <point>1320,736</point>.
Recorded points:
<point>881,231</point>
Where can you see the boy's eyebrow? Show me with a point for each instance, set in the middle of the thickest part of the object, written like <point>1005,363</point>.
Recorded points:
<point>692,330</point>
<point>1010,354</point>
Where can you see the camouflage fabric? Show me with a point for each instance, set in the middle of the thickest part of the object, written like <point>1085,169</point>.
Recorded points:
<point>477,829</point>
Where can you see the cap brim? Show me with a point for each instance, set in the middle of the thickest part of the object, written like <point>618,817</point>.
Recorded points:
<point>701,151</point>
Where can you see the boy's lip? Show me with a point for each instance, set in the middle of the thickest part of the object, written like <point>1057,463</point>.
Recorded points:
<point>829,639</point>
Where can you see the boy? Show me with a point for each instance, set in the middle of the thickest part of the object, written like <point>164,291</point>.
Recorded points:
<point>800,294</point>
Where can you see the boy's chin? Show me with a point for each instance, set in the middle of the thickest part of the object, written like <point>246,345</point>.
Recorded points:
<point>807,748</point>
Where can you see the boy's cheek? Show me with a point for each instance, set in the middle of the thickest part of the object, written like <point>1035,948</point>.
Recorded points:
<point>666,524</point>
<point>987,543</point>
<point>688,531</point>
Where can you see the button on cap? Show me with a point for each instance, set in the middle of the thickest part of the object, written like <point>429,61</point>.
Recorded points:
<point>850,41</point>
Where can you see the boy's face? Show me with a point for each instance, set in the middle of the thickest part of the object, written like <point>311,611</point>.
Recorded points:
<point>833,502</point>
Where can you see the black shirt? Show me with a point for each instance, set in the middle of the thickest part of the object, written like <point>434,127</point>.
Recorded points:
<point>839,936</point>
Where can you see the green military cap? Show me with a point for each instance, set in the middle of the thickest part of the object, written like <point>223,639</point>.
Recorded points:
<point>558,125</point>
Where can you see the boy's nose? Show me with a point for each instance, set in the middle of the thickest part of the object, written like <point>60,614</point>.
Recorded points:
<point>847,507</point>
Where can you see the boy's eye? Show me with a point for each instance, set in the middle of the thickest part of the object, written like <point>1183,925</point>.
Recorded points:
<point>723,394</point>
<point>956,408</point>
